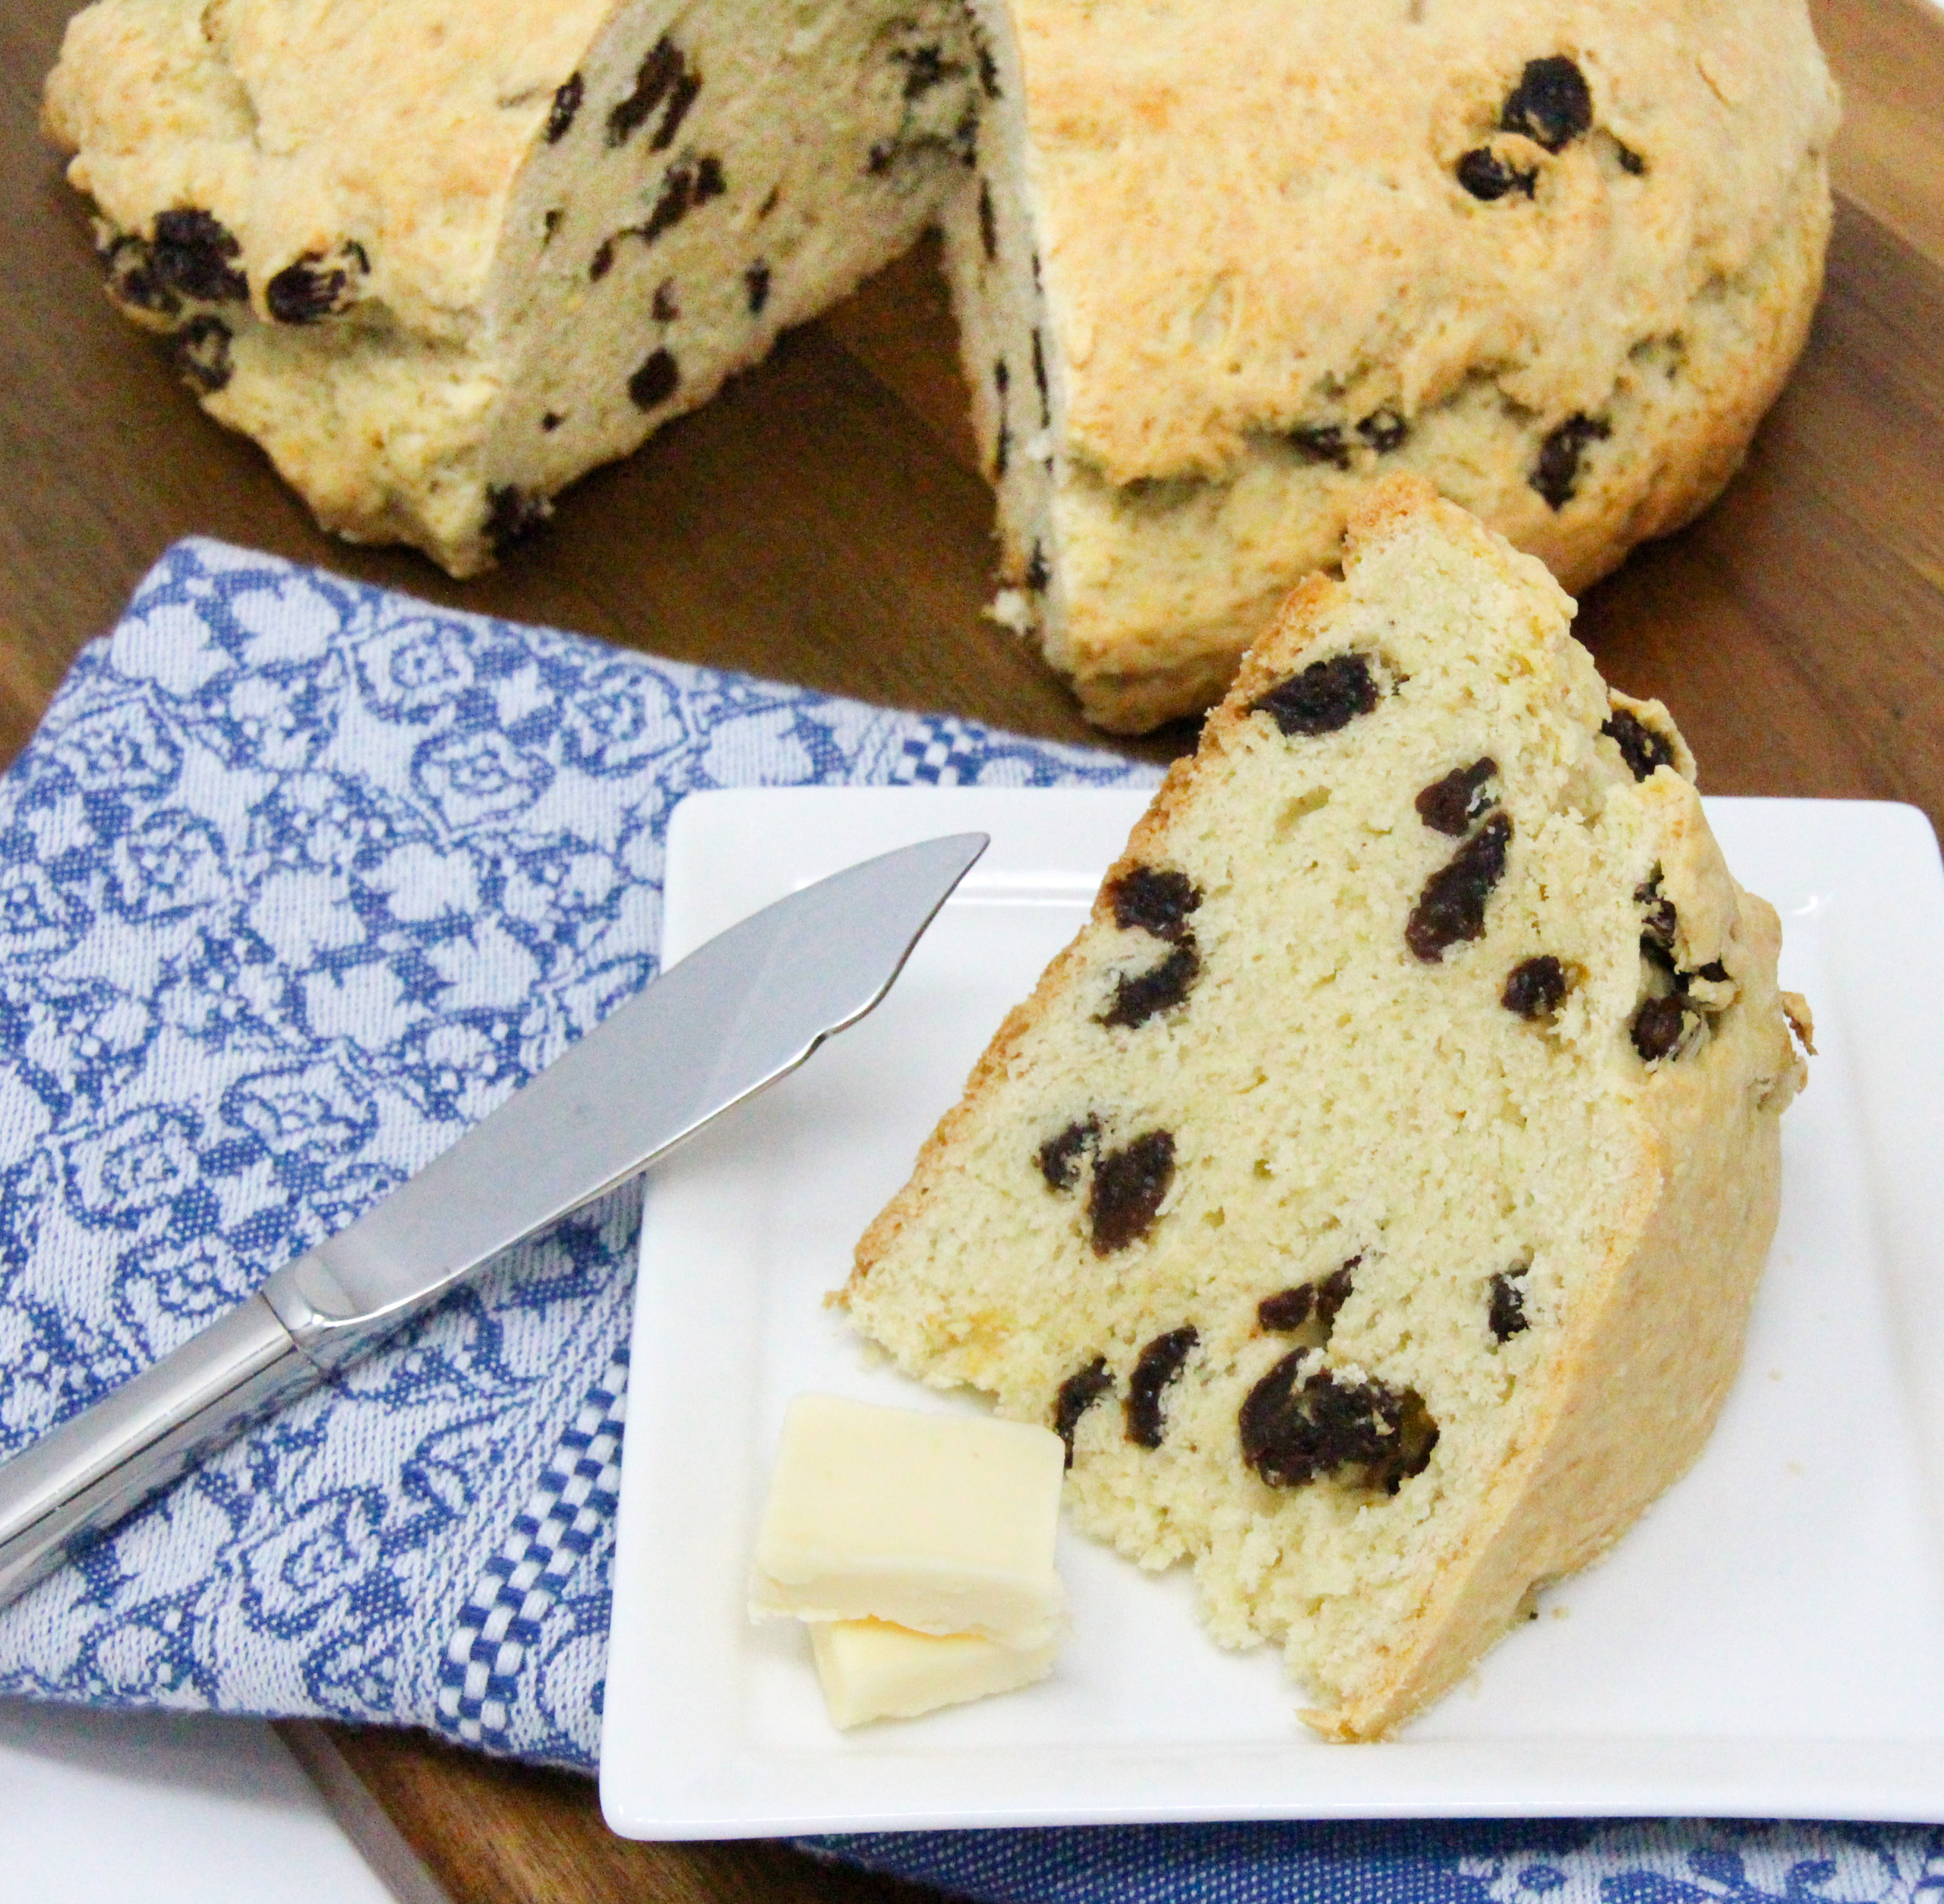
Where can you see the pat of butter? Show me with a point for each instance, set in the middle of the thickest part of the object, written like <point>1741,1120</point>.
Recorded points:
<point>871,1669</point>
<point>943,1523</point>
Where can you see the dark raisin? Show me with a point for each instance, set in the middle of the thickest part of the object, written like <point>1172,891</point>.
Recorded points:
<point>1154,899</point>
<point>1417,1435</point>
<point>1551,104</point>
<point>654,383</point>
<point>1383,430</point>
<point>1160,1363</point>
<point>510,514</point>
<point>658,74</point>
<point>1001,377</point>
<point>1139,996</point>
<point>1642,747</point>
<point>926,68</point>
<point>666,309</point>
<point>1451,805</point>
<point>567,97</point>
<point>756,280</point>
<point>680,100</point>
<point>1536,988</point>
<point>1058,1157</point>
<point>1714,972</point>
<point>307,291</point>
<point>1001,451</point>
<point>989,229</point>
<point>201,352</point>
<point>671,204</point>
<point>551,224</point>
<point>1452,907</point>
<point>1556,475</point>
<point>989,71</point>
<point>1659,951</point>
<point>132,279</point>
<point>1287,1309</point>
<point>1507,1313</point>
<point>1310,1308</point>
<point>688,184</point>
<point>1630,160</point>
<point>552,421</point>
<point>1484,175</point>
<point>1037,574</point>
<point>1077,1393</point>
<point>1326,696</point>
<point>603,260</point>
<point>1334,1292</point>
<point>1659,922</point>
<point>878,161</point>
<point>1322,443</point>
<point>1127,1188</point>
<point>1659,1026</point>
<point>1297,1429</point>
<point>192,254</point>
<point>1040,381</point>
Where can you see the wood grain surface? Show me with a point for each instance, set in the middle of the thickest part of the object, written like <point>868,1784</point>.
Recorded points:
<point>824,522</point>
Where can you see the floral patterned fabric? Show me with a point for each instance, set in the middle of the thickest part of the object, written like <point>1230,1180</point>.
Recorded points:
<point>297,880</point>
<point>1518,1861</point>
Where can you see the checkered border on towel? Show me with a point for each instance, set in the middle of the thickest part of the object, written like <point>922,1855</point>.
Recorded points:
<point>942,754</point>
<point>479,1677</point>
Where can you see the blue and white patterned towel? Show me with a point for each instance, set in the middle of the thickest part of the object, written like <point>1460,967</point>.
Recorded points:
<point>297,880</point>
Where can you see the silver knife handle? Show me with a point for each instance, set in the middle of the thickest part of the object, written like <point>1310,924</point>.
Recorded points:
<point>107,1459</point>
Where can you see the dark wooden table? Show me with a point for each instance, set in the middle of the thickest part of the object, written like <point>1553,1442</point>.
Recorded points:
<point>824,522</point>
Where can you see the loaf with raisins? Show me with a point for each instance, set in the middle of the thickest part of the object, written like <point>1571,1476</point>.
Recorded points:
<point>439,261</point>
<point>1212,279</point>
<point>1374,1193</point>
<point>1220,270</point>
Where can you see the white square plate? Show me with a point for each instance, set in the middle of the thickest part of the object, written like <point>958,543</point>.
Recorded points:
<point>1769,1642</point>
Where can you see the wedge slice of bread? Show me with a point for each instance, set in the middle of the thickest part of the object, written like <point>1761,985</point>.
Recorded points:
<point>1374,1193</point>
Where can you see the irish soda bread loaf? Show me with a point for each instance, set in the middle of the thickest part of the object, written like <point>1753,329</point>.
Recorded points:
<point>1374,1193</point>
<point>1217,267</point>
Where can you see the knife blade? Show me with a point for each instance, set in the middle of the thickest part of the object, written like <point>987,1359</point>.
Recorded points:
<point>732,1018</point>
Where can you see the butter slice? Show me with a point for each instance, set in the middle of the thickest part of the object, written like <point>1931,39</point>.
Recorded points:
<point>871,1669</point>
<point>943,1523</point>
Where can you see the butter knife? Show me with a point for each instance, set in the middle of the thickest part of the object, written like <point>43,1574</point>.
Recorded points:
<point>733,1017</point>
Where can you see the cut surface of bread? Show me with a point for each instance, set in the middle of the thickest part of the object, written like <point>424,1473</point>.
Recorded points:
<point>440,262</point>
<point>1373,1195</point>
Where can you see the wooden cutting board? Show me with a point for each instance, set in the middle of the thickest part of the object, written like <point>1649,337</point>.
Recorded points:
<point>823,521</point>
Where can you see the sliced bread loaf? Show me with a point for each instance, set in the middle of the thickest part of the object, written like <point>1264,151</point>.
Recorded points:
<point>1216,270</point>
<point>1374,1193</point>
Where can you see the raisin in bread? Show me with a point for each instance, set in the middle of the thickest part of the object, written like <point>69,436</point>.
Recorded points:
<point>439,261</point>
<point>1374,1193</point>
<point>1219,268</point>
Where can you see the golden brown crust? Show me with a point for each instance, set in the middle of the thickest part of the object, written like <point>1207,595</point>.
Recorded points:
<point>1651,1356</point>
<point>1224,402</point>
<point>1345,250</point>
